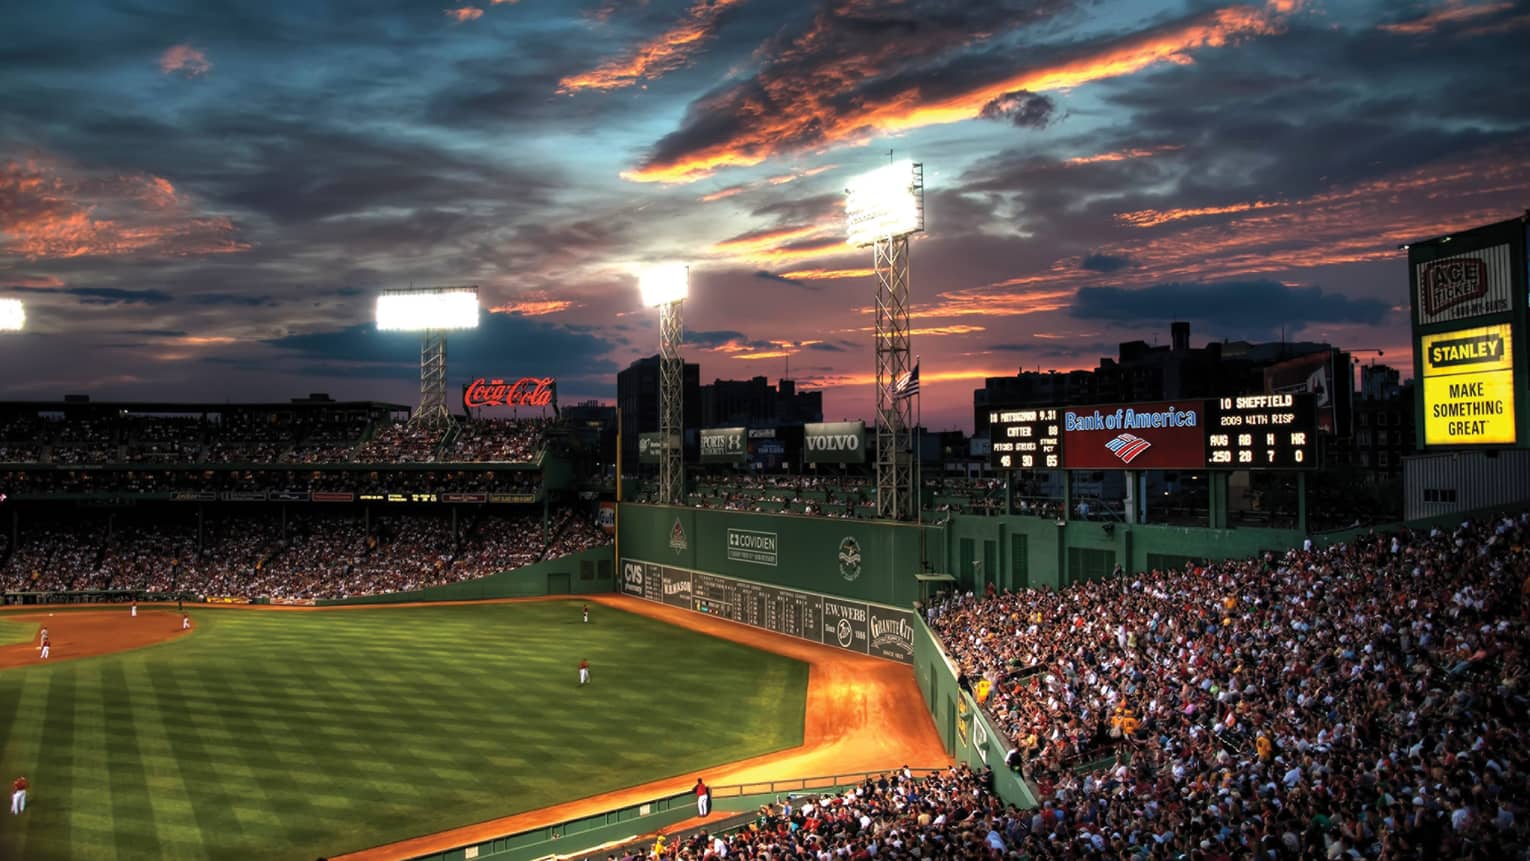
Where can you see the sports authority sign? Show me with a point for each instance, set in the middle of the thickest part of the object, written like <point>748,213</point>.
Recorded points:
<point>752,546</point>
<point>1463,286</point>
<point>834,442</point>
<point>1167,435</point>
<point>505,392</point>
<point>724,445</point>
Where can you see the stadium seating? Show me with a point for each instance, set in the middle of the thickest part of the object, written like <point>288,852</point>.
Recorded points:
<point>1364,700</point>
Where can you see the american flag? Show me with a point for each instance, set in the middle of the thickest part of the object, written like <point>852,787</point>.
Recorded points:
<point>907,384</point>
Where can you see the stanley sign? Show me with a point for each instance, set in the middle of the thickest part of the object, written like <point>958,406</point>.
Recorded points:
<point>1469,387</point>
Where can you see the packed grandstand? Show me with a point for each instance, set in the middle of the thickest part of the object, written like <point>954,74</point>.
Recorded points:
<point>1365,700</point>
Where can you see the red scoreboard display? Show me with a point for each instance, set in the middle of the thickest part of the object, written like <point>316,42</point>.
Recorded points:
<point>1261,432</point>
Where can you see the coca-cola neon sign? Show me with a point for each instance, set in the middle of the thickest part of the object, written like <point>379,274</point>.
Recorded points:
<point>496,392</point>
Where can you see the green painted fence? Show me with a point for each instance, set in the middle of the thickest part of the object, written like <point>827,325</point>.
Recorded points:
<point>865,559</point>
<point>581,573</point>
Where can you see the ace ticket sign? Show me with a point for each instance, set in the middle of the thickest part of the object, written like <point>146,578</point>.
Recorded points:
<point>1469,387</point>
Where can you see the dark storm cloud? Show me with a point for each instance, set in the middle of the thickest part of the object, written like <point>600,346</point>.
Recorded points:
<point>818,80</point>
<point>1226,304</point>
<point>103,295</point>
<point>1105,263</point>
<point>500,341</point>
<point>717,338</point>
<point>1024,109</point>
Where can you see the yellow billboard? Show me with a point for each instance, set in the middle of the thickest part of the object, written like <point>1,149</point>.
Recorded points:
<point>1469,386</point>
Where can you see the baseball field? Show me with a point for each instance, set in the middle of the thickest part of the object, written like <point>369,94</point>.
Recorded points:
<point>272,734</point>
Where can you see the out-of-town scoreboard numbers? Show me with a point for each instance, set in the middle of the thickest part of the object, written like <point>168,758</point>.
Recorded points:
<point>1025,438</point>
<point>1261,432</point>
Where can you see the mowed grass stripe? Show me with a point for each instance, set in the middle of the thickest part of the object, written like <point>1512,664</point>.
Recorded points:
<point>12,631</point>
<point>291,735</point>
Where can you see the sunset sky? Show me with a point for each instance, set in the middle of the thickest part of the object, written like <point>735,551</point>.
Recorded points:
<point>198,201</point>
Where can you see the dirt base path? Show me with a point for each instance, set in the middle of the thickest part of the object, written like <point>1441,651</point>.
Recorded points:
<point>87,633</point>
<point>863,714</point>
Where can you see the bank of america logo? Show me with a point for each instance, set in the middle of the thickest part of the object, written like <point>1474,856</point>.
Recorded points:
<point>1127,447</point>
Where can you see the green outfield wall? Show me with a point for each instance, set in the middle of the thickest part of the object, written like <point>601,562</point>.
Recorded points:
<point>863,559</point>
<point>966,731</point>
<point>1017,552</point>
<point>581,573</point>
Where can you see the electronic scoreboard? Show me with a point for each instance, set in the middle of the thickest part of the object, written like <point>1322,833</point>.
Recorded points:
<point>1025,438</point>
<point>1261,432</point>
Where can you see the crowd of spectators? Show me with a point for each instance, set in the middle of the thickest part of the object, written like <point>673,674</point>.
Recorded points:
<point>307,556</point>
<point>950,815</point>
<point>21,482</point>
<point>498,440</point>
<point>252,437</point>
<point>1361,701</point>
<point>401,443</point>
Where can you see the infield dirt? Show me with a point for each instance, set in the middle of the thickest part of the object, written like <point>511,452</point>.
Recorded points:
<point>87,633</point>
<point>863,714</point>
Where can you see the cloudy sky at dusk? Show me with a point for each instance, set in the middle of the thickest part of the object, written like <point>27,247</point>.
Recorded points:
<point>199,200</point>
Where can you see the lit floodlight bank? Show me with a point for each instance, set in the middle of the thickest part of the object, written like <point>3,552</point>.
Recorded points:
<point>886,202</point>
<point>663,283</point>
<point>12,315</point>
<point>428,310</point>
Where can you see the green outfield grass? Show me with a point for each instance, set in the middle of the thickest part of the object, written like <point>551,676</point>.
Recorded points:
<point>293,735</point>
<point>16,632</point>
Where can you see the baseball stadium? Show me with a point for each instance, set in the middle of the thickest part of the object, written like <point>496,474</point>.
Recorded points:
<point>1112,447</point>
<point>362,630</point>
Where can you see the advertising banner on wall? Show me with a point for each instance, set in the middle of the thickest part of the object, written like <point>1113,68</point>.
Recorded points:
<point>1463,286</point>
<point>1469,386</point>
<point>607,517</point>
<point>649,447</point>
<point>1135,436</point>
<point>724,445</point>
<point>856,626</point>
<point>834,442</point>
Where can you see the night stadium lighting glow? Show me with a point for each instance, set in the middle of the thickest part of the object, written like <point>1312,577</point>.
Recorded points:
<point>13,316</point>
<point>433,309</point>
<point>663,283</point>
<point>885,202</point>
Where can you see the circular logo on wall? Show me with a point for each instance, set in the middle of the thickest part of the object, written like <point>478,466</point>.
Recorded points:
<point>844,633</point>
<point>849,558</point>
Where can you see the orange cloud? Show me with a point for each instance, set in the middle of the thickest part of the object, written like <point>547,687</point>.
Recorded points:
<point>464,14</point>
<point>1453,12</point>
<point>764,240</point>
<point>785,108</point>
<point>722,193</point>
<point>1121,155</point>
<point>185,60</point>
<point>205,340</point>
<point>927,375</point>
<point>534,307</point>
<point>48,210</point>
<point>666,52</point>
<point>37,282</point>
<point>827,274</point>
<point>1155,217</point>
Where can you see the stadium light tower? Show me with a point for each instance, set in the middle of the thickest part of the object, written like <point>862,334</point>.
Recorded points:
<point>883,209</point>
<point>431,311</point>
<point>13,315</point>
<point>664,287</point>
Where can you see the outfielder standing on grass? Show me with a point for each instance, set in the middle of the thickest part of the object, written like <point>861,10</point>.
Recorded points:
<point>584,672</point>
<point>19,795</point>
<point>587,612</point>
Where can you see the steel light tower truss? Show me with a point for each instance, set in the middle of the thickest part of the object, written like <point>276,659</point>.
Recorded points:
<point>671,404</point>
<point>897,497</point>
<point>884,208</point>
<point>432,410</point>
